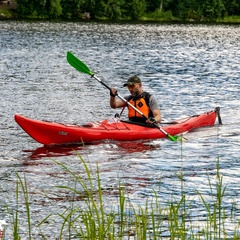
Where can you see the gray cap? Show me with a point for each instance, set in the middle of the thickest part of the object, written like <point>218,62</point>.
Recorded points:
<point>132,81</point>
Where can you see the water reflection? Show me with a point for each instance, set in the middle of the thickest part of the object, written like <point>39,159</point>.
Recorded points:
<point>52,151</point>
<point>55,151</point>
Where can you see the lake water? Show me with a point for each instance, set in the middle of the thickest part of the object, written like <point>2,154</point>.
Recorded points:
<point>190,69</point>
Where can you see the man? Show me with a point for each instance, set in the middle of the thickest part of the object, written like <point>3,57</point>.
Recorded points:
<point>143,101</point>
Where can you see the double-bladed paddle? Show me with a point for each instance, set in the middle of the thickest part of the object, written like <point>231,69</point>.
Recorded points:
<point>81,67</point>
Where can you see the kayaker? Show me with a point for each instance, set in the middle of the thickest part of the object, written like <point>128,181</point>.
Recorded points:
<point>143,101</point>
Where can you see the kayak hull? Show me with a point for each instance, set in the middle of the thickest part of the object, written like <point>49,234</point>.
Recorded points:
<point>111,129</point>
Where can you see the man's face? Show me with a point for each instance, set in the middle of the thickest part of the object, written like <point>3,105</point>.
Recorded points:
<point>135,89</point>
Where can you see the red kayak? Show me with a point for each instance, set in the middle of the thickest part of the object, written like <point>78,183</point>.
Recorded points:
<point>110,129</point>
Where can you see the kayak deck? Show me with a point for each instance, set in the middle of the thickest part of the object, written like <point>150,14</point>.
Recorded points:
<point>110,129</point>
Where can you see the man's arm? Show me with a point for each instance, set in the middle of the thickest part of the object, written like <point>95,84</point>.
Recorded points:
<point>115,103</point>
<point>153,104</point>
<point>157,115</point>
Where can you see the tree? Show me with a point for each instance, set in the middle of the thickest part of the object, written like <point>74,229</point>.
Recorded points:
<point>138,8</point>
<point>113,8</point>
<point>213,9</point>
<point>25,7</point>
<point>55,8</point>
<point>188,10</point>
<point>152,5</point>
<point>71,8</point>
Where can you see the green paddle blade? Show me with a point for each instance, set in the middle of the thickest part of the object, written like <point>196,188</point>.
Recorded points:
<point>170,137</point>
<point>79,65</point>
<point>176,138</point>
<point>173,138</point>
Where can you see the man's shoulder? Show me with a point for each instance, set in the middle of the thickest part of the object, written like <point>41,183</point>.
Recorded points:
<point>146,94</point>
<point>151,100</point>
<point>128,97</point>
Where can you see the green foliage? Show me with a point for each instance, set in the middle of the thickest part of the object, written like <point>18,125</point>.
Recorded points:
<point>5,13</point>
<point>112,9</point>
<point>189,10</point>
<point>55,9</point>
<point>232,7</point>
<point>138,8</point>
<point>25,7</point>
<point>160,15</point>
<point>197,10</point>
<point>213,9</point>
<point>71,8</point>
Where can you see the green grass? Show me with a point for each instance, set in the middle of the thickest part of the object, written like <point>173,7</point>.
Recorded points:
<point>152,220</point>
<point>5,13</point>
<point>230,19</point>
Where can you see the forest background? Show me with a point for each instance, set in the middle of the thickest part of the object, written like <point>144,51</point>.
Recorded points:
<point>155,10</point>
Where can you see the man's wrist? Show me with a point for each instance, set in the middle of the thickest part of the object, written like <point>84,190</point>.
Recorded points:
<point>152,119</point>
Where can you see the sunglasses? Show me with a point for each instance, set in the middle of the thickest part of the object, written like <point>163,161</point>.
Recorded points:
<point>131,86</point>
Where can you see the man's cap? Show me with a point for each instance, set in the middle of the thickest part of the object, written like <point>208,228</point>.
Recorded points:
<point>132,80</point>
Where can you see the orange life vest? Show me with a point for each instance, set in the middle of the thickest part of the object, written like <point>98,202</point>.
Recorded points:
<point>141,103</point>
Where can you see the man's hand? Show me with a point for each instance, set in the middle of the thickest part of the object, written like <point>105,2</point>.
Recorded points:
<point>113,92</point>
<point>151,120</point>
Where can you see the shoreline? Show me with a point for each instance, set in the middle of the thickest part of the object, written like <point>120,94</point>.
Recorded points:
<point>8,12</point>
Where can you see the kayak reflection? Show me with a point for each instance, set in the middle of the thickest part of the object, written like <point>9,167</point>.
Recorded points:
<point>48,151</point>
<point>137,146</point>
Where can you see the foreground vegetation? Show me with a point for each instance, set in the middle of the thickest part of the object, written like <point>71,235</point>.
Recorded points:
<point>161,10</point>
<point>92,219</point>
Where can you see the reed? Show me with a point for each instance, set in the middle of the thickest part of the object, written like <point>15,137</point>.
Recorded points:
<point>214,209</point>
<point>21,184</point>
<point>153,220</point>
